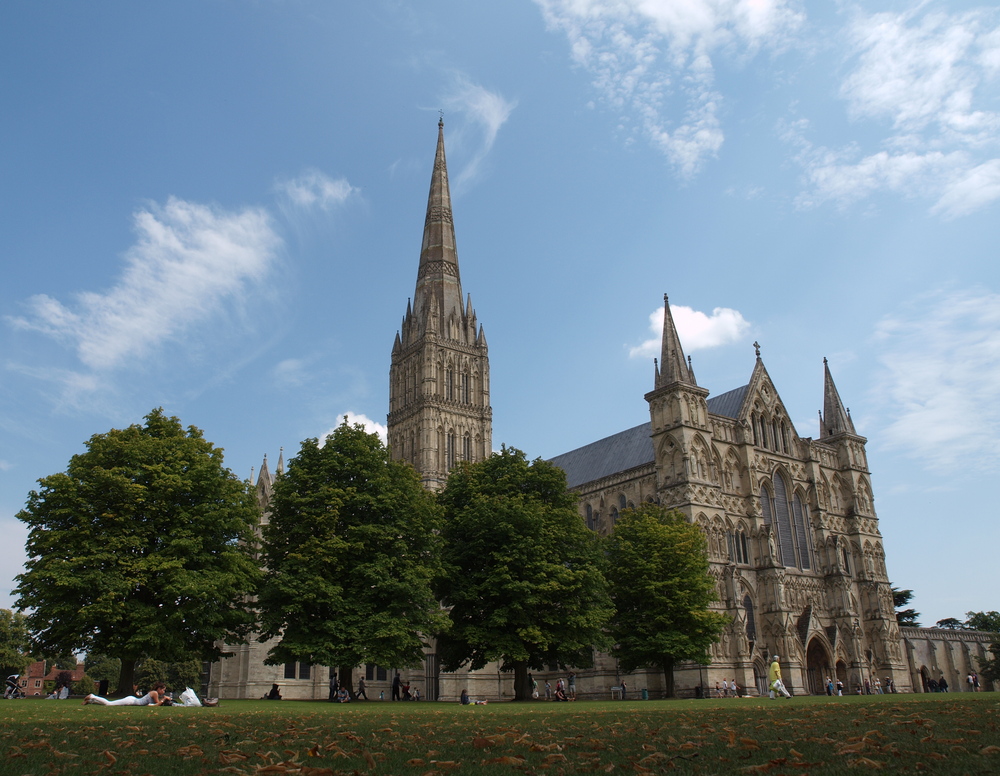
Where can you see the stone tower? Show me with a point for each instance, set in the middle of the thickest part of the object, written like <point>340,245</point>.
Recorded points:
<point>439,378</point>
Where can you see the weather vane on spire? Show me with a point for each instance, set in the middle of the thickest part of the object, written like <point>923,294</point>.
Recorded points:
<point>440,117</point>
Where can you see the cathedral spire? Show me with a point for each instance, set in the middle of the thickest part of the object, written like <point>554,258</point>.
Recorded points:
<point>439,288</point>
<point>439,373</point>
<point>673,367</point>
<point>835,419</point>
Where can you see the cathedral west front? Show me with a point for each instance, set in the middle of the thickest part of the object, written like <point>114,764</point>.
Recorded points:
<point>793,539</point>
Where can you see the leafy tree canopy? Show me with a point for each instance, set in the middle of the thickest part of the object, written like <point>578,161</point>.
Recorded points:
<point>143,546</point>
<point>523,575</point>
<point>983,621</point>
<point>176,676</point>
<point>905,617</point>
<point>989,668</point>
<point>351,549</point>
<point>100,667</point>
<point>662,590</point>
<point>949,623</point>
<point>15,642</point>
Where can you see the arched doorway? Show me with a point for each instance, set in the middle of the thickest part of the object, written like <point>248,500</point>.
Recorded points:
<point>842,675</point>
<point>760,677</point>
<point>817,667</point>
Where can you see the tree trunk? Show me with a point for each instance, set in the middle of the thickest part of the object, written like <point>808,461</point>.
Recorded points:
<point>668,676</point>
<point>126,676</point>
<point>522,687</point>
<point>346,678</point>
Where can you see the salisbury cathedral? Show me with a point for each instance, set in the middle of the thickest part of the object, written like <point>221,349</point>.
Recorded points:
<point>793,539</point>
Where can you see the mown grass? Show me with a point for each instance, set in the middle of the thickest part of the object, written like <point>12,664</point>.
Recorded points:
<point>950,734</point>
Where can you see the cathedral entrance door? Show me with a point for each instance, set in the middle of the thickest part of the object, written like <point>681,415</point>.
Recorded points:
<point>817,667</point>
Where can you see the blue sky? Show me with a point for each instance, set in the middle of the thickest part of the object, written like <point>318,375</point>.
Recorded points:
<point>216,207</point>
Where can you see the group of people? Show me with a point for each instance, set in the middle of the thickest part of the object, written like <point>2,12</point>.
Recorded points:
<point>60,693</point>
<point>877,687</point>
<point>564,691</point>
<point>834,688</point>
<point>728,689</point>
<point>401,690</point>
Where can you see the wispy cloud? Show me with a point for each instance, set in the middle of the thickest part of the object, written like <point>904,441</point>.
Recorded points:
<point>940,379</point>
<point>697,330</point>
<point>652,60</point>
<point>314,189</point>
<point>371,426</point>
<point>927,78</point>
<point>189,262</point>
<point>487,110</point>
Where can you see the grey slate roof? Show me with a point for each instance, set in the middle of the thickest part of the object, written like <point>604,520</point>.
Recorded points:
<point>728,404</point>
<point>616,453</point>
<point>629,449</point>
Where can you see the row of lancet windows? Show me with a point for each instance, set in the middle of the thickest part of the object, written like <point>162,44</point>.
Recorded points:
<point>772,435</point>
<point>789,517</point>
<point>593,517</point>
<point>452,385</point>
<point>457,449</point>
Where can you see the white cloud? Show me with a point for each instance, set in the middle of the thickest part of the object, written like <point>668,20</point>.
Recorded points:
<point>940,379</point>
<point>5,465</point>
<point>696,330</point>
<point>922,72</point>
<point>652,59</point>
<point>926,77</point>
<point>188,262</point>
<point>314,189</point>
<point>487,110</point>
<point>970,190</point>
<point>371,426</point>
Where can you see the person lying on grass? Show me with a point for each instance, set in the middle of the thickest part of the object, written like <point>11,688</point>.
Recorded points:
<point>154,697</point>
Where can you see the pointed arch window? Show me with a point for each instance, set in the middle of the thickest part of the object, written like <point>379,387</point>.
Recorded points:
<point>790,518</point>
<point>751,624</point>
<point>783,520</point>
<point>802,533</point>
<point>739,551</point>
<point>466,447</point>
<point>590,517</point>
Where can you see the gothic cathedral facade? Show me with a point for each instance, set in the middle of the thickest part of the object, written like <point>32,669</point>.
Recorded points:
<point>793,539</point>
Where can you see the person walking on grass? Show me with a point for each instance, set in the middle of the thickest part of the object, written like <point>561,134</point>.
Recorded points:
<point>774,680</point>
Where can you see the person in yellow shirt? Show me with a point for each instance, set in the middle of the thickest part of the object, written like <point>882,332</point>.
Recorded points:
<point>774,680</point>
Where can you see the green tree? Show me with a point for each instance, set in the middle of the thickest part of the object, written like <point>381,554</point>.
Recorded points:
<point>15,642</point>
<point>983,621</point>
<point>949,623</point>
<point>143,546</point>
<point>524,577</point>
<point>100,667</point>
<point>905,617</point>
<point>989,668</point>
<point>83,686</point>
<point>351,550</point>
<point>661,589</point>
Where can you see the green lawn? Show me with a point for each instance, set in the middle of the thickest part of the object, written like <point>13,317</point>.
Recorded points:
<point>956,733</point>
